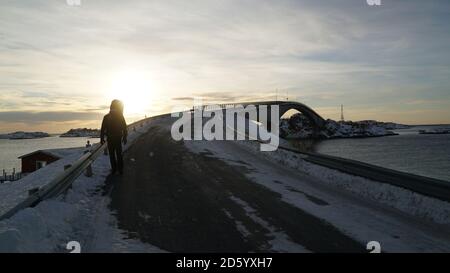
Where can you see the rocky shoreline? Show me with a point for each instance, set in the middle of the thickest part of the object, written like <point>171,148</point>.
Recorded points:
<point>24,135</point>
<point>299,127</point>
<point>82,132</point>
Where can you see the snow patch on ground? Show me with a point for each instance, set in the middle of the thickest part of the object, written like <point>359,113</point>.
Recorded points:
<point>12,193</point>
<point>239,225</point>
<point>281,241</point>
<point>82,215</point>
<point>402,199</point>
<point>360,218</point>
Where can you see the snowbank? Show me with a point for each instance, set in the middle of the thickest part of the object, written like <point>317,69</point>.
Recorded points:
<point>12,193</point>
<point>81,215</point>
<point>361,218</point>
<point>399,198</point>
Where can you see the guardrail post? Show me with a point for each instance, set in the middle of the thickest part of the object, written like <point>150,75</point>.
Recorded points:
<point>88,171</point>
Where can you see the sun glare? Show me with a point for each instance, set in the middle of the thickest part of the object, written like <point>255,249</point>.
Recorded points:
<point>135,89</point>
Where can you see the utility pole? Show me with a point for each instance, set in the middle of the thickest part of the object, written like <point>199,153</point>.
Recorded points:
<point>276,96</point>
<point>342,112</point>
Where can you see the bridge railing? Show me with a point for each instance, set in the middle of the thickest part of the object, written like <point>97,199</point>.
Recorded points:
<point>223,106</point>
<point>284,106</point>
<point>420,184</point>
<point>14,176</point>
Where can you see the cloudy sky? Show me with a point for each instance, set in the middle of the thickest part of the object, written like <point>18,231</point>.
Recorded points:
<point>60,65</point>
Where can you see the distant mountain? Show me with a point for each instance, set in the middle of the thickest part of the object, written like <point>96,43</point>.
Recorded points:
<point>24,135</point>
<point>82,132</point>
<point>385,125</point>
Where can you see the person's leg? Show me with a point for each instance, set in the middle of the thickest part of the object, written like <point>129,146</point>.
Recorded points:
<point>112,156</point>
<point>119,157</point>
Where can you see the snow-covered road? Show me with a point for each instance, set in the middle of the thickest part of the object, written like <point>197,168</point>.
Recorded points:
<point>273,206</point>
<point>360,218</point>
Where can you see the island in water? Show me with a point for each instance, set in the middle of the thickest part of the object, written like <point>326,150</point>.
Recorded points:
<point>82,132</point>
<point>24,135</point>
<point>298,126</point>
<point>436,131</point>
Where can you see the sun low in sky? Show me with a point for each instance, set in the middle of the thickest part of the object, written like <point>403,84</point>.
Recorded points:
<point>61,65</point>
<point>134,88</point>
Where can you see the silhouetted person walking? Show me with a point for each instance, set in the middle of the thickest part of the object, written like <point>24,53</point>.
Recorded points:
<point>114,128</point>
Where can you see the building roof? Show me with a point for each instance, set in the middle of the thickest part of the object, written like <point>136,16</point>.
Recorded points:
<point>57,153</point>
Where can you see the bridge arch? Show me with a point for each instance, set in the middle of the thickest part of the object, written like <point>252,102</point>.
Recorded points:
<point>312,115</point>
<point>285,106</point>
<point>317,121</point>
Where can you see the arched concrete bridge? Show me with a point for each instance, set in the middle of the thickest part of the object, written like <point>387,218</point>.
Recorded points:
<point>284,106</point>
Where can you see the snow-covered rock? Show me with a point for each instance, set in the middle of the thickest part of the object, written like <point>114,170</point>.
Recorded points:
<point>24,135</point>
<point>435,131</point>
<point>299,126</point>
<point>82,132</point>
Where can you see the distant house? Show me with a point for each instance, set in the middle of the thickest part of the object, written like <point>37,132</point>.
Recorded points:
<point>38,159</point>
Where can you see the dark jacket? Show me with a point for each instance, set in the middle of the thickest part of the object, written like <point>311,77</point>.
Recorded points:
<point>114,127</point>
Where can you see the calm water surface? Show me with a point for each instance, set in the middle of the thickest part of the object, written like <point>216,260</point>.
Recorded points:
<point>427,155</point>
<point>10,150</point>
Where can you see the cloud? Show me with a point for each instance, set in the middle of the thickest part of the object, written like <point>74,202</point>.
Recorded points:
<point>323,52</point>
<point>227,97</point>
<point>96,109</point>
<point>184,98</point>
<point>43,117</point>
<point>427,102</point>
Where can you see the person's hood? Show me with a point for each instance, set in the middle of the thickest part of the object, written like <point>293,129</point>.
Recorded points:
<point>116,105</point>
<point>115,112</point>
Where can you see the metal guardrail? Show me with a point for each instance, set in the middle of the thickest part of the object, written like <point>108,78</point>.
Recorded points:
<point>428,186</point>
<point>14,176</point>
<point>58,184</point>
<point>64,180</point>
